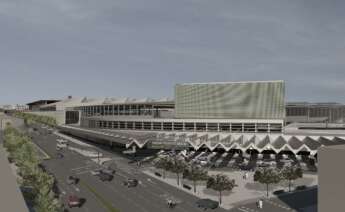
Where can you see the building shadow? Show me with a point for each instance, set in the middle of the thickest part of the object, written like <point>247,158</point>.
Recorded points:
<point>298,200</point>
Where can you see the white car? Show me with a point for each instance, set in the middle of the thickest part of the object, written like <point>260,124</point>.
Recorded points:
<point>96,172</point>
<point>61,144</point>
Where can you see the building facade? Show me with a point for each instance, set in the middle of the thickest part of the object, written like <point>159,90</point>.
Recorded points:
<point>234,107</point>
<point>231,100</point>
<point>315,112</point>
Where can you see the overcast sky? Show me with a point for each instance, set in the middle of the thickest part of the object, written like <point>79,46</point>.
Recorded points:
<point>116,48</point>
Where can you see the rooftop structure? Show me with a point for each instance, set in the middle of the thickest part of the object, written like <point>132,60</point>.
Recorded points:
<point>35,106</point>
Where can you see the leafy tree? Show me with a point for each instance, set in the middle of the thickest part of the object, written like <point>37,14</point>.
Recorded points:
<point>267,176</point>
<point>177,166</point>
<point>220,183</point>
<point>40,183</point>
<point>291,173</point>
<point>12,139</point>
<point>195,174</point>
<point>164,164</point>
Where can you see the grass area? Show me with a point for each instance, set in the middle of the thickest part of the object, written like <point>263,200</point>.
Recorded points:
<point>104,202</point>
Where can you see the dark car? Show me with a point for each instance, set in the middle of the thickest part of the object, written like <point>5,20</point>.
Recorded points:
<point>207,204</point>
<point>136,160</point>
<point>131,183</point>
<point>59,155</point>
<point>105,177</point>
<point>72,180</point>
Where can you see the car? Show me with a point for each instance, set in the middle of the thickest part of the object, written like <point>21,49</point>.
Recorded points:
<point>72,180</point>
<point>73,201</point>
<point>105,177</point>
<point>108,171</point>
<point>131,182</point>
<point>96,172</point>
<point>135,160</point>
<point>59,155</point>
<point>207,204</point>
<point>42,167</point>
<point>61,146</point>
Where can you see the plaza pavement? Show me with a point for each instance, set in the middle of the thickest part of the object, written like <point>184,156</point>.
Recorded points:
<point>246,191</point>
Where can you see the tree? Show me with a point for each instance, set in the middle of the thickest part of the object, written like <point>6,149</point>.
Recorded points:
<point>178,166</point>
<point>164,164</point>
<point>195,174</point>
<point>291,173</point>
<point>267,176</point>
<point>220,183</point>
<point>13,140</point>
<point>39,182</point>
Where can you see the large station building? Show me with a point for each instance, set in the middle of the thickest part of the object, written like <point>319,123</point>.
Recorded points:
<point>241,116</point>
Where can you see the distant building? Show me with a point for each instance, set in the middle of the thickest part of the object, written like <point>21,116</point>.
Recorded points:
<point>16,107</point>
<point>19,107</point>
<point>241,116</point>
<point>36,105</point>
<point>304,112</point>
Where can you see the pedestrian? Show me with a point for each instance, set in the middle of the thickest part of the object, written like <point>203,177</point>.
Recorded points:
<point>261,203</point>
<point>169,203</point>
<point>246,175</point>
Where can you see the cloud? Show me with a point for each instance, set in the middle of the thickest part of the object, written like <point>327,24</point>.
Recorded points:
<point>103,47</point>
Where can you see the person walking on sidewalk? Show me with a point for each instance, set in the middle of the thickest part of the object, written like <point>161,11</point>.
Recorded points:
<point>260,204</point>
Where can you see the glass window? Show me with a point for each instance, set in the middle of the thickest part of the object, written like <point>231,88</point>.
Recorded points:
<point>157,125</point>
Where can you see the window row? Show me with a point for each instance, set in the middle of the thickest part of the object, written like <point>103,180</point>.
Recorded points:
<point>188,126</point>
<point>104,110</point>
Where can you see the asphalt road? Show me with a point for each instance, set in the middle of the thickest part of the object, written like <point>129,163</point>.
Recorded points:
<point>148,196</point>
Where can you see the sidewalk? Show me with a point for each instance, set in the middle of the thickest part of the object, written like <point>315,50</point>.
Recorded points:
<point>246,190</point>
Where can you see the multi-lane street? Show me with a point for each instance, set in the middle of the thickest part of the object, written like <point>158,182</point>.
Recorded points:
<point>150,195</point>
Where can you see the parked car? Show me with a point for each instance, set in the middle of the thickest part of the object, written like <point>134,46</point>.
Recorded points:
<point>72,180</point>
<point>73,201</point>
<point>131,182</point>
<point>105,177</point>
<point>207,204</point>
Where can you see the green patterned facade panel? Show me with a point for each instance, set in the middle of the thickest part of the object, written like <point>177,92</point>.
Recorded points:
<point>233,100</point>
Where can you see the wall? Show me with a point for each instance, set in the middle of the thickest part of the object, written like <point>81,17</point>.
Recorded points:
<point>11,196</point>
<point>58,115</point>
<point>331,178</point>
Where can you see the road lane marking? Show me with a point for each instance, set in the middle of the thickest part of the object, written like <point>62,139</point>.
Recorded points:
<point>82,167</point>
